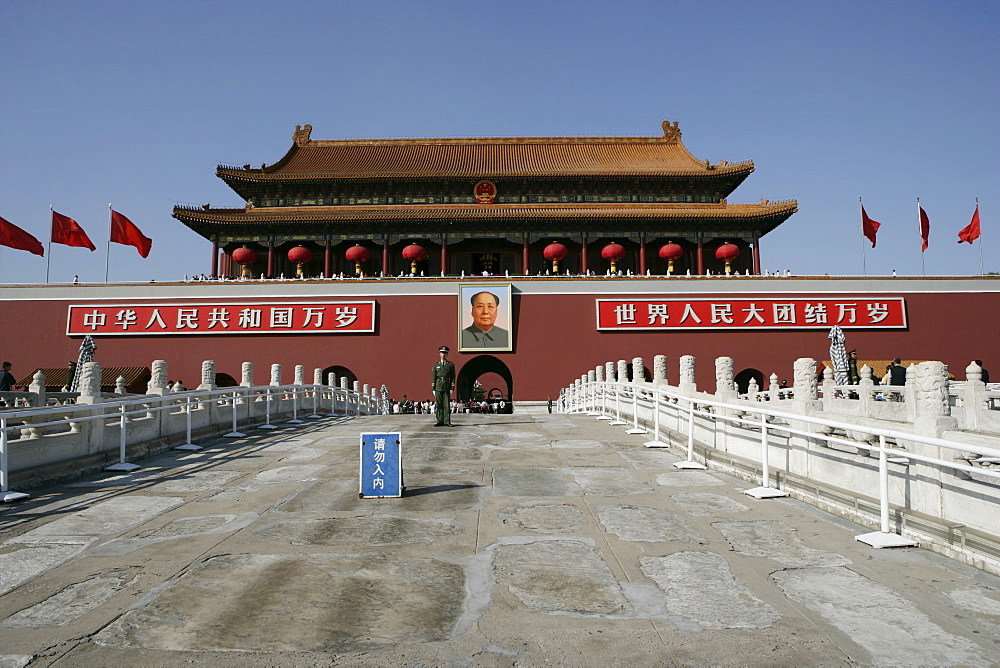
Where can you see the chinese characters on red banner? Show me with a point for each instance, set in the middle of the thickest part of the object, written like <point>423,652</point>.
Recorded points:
<point>228,318</point>
<point>796,313</point>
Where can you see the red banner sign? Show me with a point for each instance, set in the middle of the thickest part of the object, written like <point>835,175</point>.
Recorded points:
<point>224,318</point>
<point>770,313</point>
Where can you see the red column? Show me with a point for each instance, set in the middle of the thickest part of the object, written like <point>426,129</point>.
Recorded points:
<point>756,255</point>
<point>583,257</point>
<point>386,269</point>
<point>700,260</point>
<point>215,258</point>
<point>642,255</point>
<point>524,258</point>
<point>270,259</point>
<point>328,259</point>
<point>444,255</point>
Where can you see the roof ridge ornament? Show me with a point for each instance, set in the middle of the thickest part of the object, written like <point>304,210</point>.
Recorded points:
<point>671,132</point>
<point>301,134</point>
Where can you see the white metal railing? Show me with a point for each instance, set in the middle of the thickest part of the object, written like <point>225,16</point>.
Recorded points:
<point>598,397</point>
<point>238,404</point>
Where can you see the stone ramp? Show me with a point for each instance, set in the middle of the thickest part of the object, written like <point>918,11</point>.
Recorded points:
<point>520,540</point>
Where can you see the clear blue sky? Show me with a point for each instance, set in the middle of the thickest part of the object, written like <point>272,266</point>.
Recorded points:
<point>135,103</point>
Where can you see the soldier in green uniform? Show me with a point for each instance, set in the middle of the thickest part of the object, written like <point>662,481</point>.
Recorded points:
<point>444,379</point>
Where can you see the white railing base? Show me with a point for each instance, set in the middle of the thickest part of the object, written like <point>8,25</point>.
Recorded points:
<point>234,434</point>
<point>604,417</point>
<point>878,540</point>
<point>617,423</point>
<point>267,426</point>
<point>765,493</point>
<point>592,414</point>
<point>295,421</point>
<point>123,466</point>
<point>691,465</point>
<point>9,496</point>
<point>188,447</point>
<point>656,444</point>
<point>315,416</point>
<point>637,430</point>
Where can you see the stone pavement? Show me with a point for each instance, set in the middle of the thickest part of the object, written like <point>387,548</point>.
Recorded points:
<point>521,540</point>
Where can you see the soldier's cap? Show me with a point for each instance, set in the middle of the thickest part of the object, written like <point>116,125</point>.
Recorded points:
<point>444,349</point>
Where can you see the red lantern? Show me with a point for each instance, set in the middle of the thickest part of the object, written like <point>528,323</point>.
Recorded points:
<point>727,252</point>
<point>670,252</point>
<point>555,252</point>
<point>414,253</point>
<point>613,253</point>
<point>299,255</point>
<point>357,254</point>
<point>244,257</point>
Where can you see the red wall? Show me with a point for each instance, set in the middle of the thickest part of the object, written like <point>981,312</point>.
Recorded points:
<point>555,342</point>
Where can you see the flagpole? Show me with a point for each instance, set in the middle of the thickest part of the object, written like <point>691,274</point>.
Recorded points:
<point>982,272</point>
<point>48,252</point>
<point>920,231</point>
<point>107,261</point>
<point>864,268</point>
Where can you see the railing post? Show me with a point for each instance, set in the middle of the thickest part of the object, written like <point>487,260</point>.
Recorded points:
<point>295,406</point>
<point>884,538</point>
<point>316,390</point>
<point>187,445</point>
<point>618,404</point>
<point>636,429</point>
<point>5,494</point>
<point>267,410</point>
<point>690,463</point>
<point>765,491</point>
<point>122,465</point>
<point>656,442</point>
<point>234,433</point>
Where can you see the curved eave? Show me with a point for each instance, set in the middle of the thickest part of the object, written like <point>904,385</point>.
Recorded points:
<point>763,216</point>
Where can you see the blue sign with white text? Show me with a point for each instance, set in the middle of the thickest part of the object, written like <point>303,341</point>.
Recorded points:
<point>381,465</point>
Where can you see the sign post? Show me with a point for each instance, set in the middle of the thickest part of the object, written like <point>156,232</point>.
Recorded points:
<point>381,466</point>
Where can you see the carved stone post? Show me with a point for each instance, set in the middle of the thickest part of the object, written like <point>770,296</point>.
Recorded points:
<point>910,392</point>
<point>331,379</point>
<point>90,384</point>
<point>866,387</point>
<point>806,385</point>
<point>357,386</point>
<point>638,370</point>
<point>300,374</point>
<point>659,370</point>
<point>317,376</point>
<point>933,411</point>
<point>828,388</point>
<point>344,383</point>
<point>246,373</point>
<point>622,373</point>
<point>687,380</point>
<point>208,376</point>
<point>591,376</point>
<point>752,389</point>
<point>120,388</point>
<point>275,375</point>
<point>158,378</point>
<point>974,397</point>
<point>772,387</point>
<point>724,378</point>
<point>599,374</point>
<point>609,371</point>
<point>37,388</point>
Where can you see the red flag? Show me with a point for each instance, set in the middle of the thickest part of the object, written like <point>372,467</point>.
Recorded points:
<point>124,231</point>
<point>13,236</point>
<point>67,231</point>
<point>925,228</point>
<point>971,231</point>
<point>868,226</point>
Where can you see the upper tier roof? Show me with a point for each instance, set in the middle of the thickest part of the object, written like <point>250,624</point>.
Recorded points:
<point>485,157</point>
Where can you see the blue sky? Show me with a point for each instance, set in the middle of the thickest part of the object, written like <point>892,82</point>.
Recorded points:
<point>135,103</point>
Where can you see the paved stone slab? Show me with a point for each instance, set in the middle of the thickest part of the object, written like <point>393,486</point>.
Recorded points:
<point>532,482</point>
<point>703,504</point>
<point>194,481</point>
<point>69,604</point>
<point>893,630</point>
<point>576,443</point>
<point>546,518</point>
<point>701,589</point>
<point>559,576</point>
<point>19,563</point>
<point>776,540</point>
<point>649,458</point>
<point>323,602</point>
<point>381,530</point>
<point>109,517</point>
<point>646,524</point>
<point>687,479</point>
<point>609,481</point>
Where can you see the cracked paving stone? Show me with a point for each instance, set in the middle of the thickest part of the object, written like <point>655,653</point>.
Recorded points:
<point>544,518</point>
<point>776,540</point>
<point>609,481</point>
<point>380,530</point>
<point>646,525</point>
<point>703,504</point>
